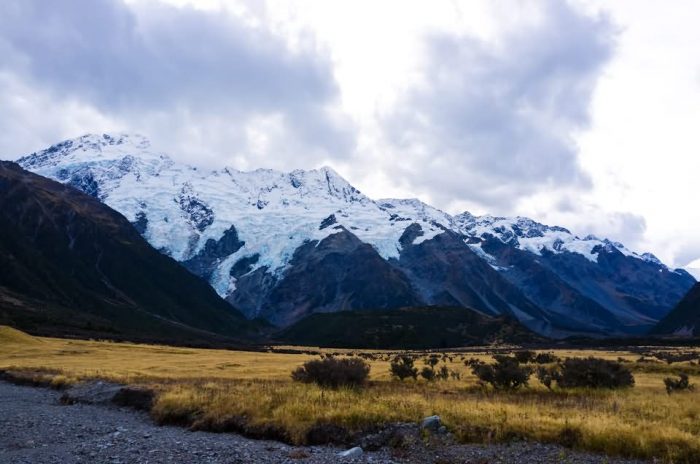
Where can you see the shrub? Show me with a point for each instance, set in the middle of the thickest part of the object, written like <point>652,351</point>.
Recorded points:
<point>432,360</point>
<point>428,374</point>
<point>524,356</point>
<point>547,375</point>
<point>443,373</point>
<point>594,373</point>
<point>402,368</point>
<point>505,374</point>
<point>471,362</point>
<point>679,384</point>
<point>333,372</point>
<point>546,358</point>
<point>570,436</point>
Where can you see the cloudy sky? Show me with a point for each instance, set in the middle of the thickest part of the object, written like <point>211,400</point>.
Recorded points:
<point>584,114</point>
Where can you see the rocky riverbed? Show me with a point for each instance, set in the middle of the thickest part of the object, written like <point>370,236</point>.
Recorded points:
<point>37,428</point>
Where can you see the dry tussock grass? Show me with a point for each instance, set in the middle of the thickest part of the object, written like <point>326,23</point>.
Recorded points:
<point>229,390</point>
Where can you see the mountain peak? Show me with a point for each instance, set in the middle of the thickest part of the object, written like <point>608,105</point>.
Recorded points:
<point>91,147</point>
<point>124,139</point>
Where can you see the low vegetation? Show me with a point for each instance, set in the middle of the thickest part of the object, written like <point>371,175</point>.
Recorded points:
<point>402,368</point>
<point>505,374</point>
<point>252,393</point>
<point>680,384</point>
<point>333,372</point>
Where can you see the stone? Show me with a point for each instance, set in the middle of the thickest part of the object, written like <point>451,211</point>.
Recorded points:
<point>352,453</point>
<point>431,424</point>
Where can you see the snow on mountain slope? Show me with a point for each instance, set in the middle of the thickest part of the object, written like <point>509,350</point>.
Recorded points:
<point>526,234</point>
<point>183,206</point>
<point>180,207</point>
<point>225,224</point>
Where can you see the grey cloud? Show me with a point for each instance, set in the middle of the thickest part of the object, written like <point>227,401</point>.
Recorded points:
<point>492,123</point>
<point>138,63</point>
<point>628,228</point>
<point>689,251</point>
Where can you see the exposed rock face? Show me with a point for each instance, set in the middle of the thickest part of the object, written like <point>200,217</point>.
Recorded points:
<point>615,294</point>
<point>252,292</point>
<point>141,222</point>
<point>209,257</point>
<point>446,272</point>
<point>85,182</point>
<point>338,273</point>
<point>566,307</point>
<point>198,214</point>
<point>243,266</point>
<point>329,221</point>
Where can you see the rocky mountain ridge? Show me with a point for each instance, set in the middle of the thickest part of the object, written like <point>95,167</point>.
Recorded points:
<point>250,233</point>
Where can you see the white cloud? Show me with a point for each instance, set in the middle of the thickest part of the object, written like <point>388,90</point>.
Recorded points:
<point>177,72</point>
<point>607,141</point>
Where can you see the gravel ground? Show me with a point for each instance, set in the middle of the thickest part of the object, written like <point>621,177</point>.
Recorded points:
<point>36,429</point>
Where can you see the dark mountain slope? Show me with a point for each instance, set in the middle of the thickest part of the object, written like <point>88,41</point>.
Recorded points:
<point>584,278</point>
<point>638,292</point>
<point>565,304</point>
<point>447,272</point>
<point>406,328</point>
<point>71,265</point>
<point>684,319</point>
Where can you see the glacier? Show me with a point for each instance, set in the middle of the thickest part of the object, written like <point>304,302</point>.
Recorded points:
<point>274,212</point>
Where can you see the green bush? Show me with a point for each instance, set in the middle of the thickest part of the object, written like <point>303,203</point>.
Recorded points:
<point>428,373</point>
<point>593,373</point>
<point>548,375</point>
<point>505,374</point>
<point>333,372</point>
<point>402,368</point>
<point>546,358</point>
<point>471,362</point>
<point>524,356</point>
<point>443,373</point>
<point>679,384</point>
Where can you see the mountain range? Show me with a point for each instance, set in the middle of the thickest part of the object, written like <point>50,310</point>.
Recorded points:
<point>283,246</point>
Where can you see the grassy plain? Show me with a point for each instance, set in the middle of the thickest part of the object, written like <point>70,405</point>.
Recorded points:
<point>211,389</point>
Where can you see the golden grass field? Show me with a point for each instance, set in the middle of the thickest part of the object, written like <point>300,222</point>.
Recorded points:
<point>206,388</point>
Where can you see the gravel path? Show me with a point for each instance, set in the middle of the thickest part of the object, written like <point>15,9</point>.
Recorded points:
<point>36,429</point>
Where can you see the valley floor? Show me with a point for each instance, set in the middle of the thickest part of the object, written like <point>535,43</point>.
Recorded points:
<point>252,393</point>
<point>38,429</point>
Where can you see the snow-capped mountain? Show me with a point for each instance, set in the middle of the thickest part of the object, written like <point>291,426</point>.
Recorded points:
<point>251,233</point>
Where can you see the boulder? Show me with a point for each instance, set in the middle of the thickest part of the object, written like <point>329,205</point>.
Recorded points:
<point>397,435</point>
<point>431,424</point>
